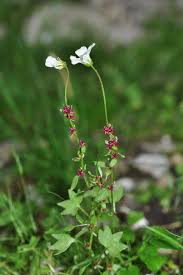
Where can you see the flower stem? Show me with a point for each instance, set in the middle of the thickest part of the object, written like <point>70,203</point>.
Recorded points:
<point>66,84</point>
<point>103,92</point>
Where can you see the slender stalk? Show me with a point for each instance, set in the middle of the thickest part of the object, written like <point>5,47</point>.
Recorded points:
<point>85,177</point>
<point>66,84</point>
<point>103,93</point>
<point>84,212</point>
<point>112,196</point>
<point>71,123</point>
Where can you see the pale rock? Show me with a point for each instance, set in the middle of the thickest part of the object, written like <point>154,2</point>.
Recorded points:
<point>165,145</point>
<point>156,165</point>
<point>115,22</point>
<point>127,183</point>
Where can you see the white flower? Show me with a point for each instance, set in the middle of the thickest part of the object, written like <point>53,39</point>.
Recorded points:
<point>83,56</point>
<point>53,62</point>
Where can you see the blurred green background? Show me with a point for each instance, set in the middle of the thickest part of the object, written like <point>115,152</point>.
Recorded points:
<point>143,81</point>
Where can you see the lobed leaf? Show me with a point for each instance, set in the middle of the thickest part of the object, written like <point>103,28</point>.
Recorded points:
<point>64,241</point>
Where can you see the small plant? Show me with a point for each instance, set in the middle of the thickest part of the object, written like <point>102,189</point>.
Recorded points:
<point>92,238</point>
<point>96,193</point>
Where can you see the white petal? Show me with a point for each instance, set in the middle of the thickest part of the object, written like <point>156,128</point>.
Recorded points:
<point>81,51</point>
<point>50,61</point>
<point>90,47</point>
<point>75,60</point>
<point>86,59</point>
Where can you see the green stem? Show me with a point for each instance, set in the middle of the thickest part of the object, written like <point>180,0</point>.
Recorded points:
<point>66,84</point>
<point>85,177</point>
<point>103,93</point>
<point>112,195</point>
<point>84,212</point>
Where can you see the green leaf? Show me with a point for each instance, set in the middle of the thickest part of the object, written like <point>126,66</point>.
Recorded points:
<point>148,254</point>
<point>118,193</point>
<point>30,246</point>
<point>108,172</point>
<point>74,182</point>
<point>103,194</point>
<point>64,241</point>
<point>76,159</point>
<point>166,236</point>
<point>128,235</point>
<point>113,162</point>
<point>105,236</point>
<point>134,216</point>
<point>72,194</point>
<point>92,193</point>
<point>132,270</point>
<point>100,164</point>
<point>71,206</point>
<point>83,149</point>
<point>79,218</point>
<point>83,269</point>
<point>111,241</point>
<point>69,228</point>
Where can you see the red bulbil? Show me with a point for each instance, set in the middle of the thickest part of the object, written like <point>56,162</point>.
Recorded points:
<point>111,142</point>
<point>71,116</point>
<point>110,188</point>
<point>115,155</point>
<point>80,172</point>
<point>72,130</point>
<point>108,129</point>
<point>99,182</point>
<point>82,143</point>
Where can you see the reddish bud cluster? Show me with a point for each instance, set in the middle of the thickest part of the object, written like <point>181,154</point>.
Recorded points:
<point>80,172</point>
<point>113,142</point>
<point>68,112</point>
<point>108,129</point>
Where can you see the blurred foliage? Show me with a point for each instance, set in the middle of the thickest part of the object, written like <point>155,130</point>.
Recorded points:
<point>144,93</point>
